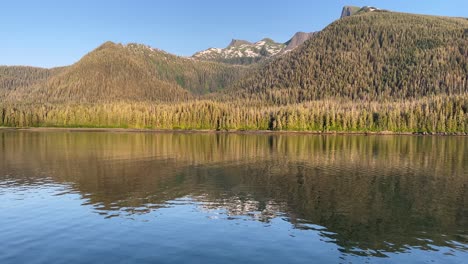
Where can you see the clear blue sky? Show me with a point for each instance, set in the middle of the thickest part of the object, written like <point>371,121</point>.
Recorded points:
<point>50,33</point>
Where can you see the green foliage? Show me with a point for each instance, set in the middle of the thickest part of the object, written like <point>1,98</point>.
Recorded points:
<point>241,60</point>
<point>370,56</point>
<point>132,72</point>
<point>375,71</point>
<point>432,115</point>
<point>19,77</point>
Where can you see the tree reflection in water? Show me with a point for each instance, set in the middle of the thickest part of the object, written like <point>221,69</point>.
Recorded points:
<point>369,195</point>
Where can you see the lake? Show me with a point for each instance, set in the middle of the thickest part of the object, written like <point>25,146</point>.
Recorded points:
<point>103,197</point>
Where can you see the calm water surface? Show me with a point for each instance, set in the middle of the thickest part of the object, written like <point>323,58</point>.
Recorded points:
<point>207,198</point>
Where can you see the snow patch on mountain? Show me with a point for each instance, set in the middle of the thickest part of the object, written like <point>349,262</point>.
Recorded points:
<point>241,51</point>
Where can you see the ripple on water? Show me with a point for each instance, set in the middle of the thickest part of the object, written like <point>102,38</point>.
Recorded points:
<point>178,198</point>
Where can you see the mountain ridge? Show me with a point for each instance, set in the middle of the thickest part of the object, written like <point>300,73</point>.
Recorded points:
<point>242,52</point>
<point>238,42</point>
<point>373,56</point>
<point>134,72</point>
<point>245,52</point>
<point>354,10</point>
<point>372,71</point>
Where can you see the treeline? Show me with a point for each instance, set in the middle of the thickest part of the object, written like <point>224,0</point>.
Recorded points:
<point>369,72</point>
<point>438,114</point>
<point>371,56</point>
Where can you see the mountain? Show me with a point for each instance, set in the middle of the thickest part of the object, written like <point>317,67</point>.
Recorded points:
<point>116,72</point>
<point>242,52</point>
<point>238,42</point>
<point>14,79</point>
<point>372,71</point>
<point>21,76</point>
<point>17,77</point>
<point>371,56</point>
<point>349,11</point>
<point>354,10</point>
<point>298,39</point>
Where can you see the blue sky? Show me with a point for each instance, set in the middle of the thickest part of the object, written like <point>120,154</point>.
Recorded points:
<point>51,33</point>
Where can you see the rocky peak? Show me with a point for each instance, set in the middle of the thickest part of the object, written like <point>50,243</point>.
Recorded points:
<point>349,11</point>
<point>298,39</point>
<point>242,52</point>
<point>237,43</point>
<point>353,10</point>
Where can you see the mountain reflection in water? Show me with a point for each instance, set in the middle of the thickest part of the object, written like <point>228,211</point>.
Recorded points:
<point>370,196</point>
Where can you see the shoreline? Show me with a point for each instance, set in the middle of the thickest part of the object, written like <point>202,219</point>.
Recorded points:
<point>207,131</point>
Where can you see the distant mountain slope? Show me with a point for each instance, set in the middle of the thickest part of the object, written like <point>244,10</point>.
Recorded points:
<point>372,71</point>
<point>20,76</point>
<point>132,72</point>
<point>242,52</point>
<point>374,56</point>
<point>19,79</point>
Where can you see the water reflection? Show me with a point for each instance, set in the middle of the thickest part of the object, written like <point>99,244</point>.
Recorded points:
<point>368,195</point>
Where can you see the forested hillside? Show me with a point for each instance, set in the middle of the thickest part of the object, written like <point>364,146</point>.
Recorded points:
<point>372,71</point>
<point>17,77</point>
<point>370,56</point>
<point>115,72</point>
